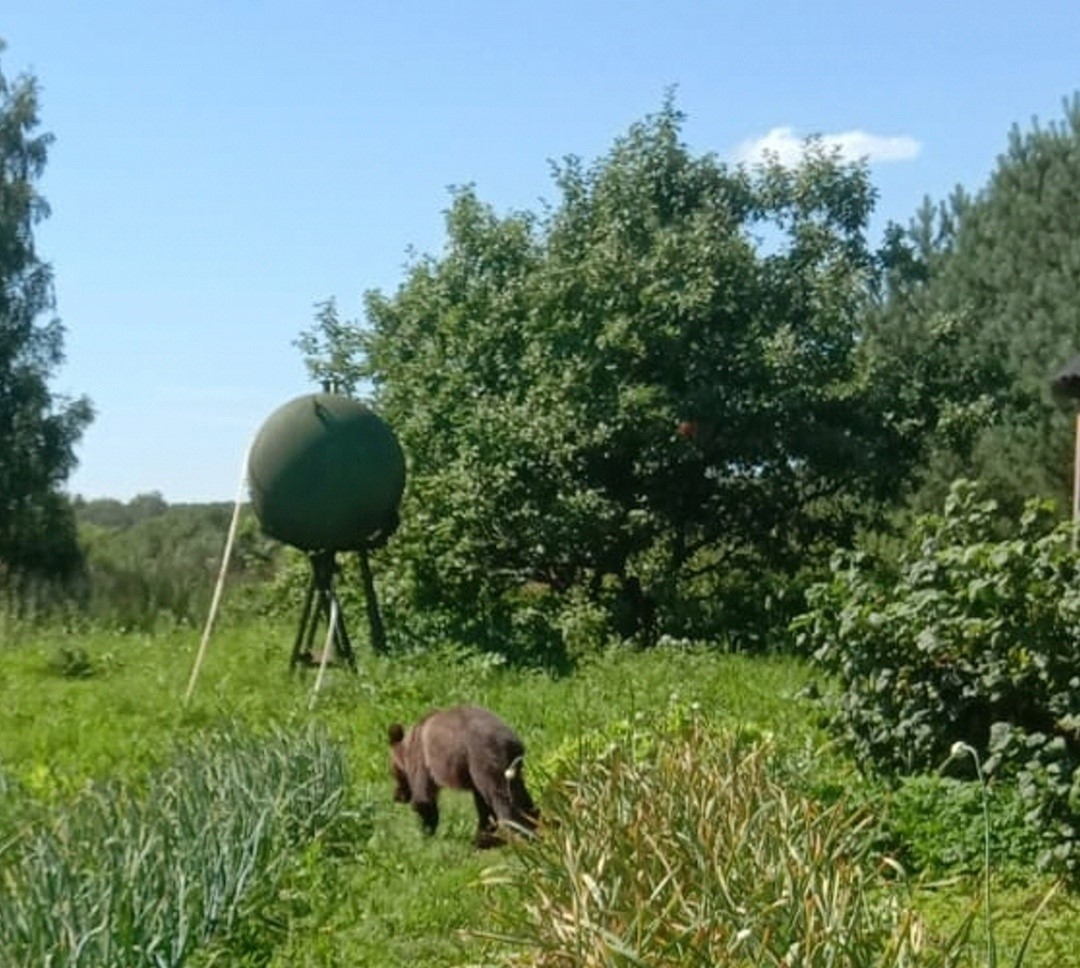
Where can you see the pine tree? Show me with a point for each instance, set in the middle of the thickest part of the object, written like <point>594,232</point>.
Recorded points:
<point>982,309</point>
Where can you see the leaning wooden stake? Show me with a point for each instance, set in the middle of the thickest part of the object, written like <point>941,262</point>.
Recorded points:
<point>331,629</point>
<point>216,600</point>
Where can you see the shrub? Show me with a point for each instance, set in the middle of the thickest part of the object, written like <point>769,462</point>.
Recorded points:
<point>530,625</point>
<point>152,566</point>
<point>970,635</point>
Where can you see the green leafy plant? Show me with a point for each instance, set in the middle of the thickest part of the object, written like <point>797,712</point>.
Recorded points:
<point>935,824</point>
<point>629,374</point>
<point>971,636</point>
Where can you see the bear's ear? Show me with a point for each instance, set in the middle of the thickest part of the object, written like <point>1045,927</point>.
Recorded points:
<point>397,733</point>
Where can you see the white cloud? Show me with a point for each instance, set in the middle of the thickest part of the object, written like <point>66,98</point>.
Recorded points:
<point>788,147</point>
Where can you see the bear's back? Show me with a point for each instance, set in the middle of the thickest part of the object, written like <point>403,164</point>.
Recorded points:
<point>462,741</point>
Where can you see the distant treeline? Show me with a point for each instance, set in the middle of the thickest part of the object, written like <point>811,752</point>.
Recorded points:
<point>147,562</point>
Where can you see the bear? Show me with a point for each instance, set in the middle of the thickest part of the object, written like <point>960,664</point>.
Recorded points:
<point>464,748</point>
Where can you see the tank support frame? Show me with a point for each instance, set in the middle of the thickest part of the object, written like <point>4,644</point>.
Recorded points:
<point>321,592</point>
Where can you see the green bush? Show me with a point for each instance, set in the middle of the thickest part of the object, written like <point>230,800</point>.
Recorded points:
<point>526,626</point>
<point>936,826</point>
<point>973,636</point>
<point>736,596</point>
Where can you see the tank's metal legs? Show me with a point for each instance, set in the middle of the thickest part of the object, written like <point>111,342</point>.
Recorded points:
<point>316,609</point>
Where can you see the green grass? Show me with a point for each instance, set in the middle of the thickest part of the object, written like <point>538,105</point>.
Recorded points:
<point>82,707</point>
<point>125,712</point>
<point>1053,944</point>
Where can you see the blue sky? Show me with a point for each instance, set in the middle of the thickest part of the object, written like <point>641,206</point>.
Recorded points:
<point>222,165</point>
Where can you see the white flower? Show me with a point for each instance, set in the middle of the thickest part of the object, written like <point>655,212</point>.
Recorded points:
<point>958,749</point>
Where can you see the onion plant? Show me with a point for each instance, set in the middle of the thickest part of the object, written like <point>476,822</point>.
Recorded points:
<point>126,876</point>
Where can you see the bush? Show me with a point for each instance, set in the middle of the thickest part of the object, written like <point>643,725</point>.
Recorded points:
<point>530,625</point>
<point>151,566</point>
<point>936,823</point>
<point>972,636</point>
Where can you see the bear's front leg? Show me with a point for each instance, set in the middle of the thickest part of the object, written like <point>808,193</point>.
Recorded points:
<point>425,799</point>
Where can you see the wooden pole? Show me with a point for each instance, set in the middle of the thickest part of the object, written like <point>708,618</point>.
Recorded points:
<point>1076,482</point>
<point>331,631</point>
<point>219,587</point>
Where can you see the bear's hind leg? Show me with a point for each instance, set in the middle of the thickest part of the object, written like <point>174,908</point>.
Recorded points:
<point>498,793</point>
<point>486,830</point>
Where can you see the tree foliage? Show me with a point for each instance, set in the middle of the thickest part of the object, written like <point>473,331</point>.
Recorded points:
<point>38,430</point>
<point>149,564</point>
<point>981,307</point>
<point>330,350</point>
<point>657,374</point>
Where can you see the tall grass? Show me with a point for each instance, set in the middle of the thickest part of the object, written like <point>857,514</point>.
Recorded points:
<point>689,852</point>
<point>135,876</point>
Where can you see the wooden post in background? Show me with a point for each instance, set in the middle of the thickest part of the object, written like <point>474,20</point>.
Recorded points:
<point>1065,386</point>
<point>1076,483</point>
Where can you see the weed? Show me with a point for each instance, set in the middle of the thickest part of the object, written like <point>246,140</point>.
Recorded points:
<point>71,662</point>
<point>958,751</point>
<point>937,823</point>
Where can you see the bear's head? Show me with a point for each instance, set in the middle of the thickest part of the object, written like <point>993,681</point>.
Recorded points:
<point>402,793</point>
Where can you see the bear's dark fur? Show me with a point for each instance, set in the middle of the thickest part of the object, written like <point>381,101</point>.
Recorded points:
<point>465,748</point>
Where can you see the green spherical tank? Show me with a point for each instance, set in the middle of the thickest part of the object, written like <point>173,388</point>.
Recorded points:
<point>326,474</point>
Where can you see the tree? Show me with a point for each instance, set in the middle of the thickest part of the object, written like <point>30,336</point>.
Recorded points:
<point>657,375</point>
<point>330,349</point>
<point>982,307</point>
<point>38,430</point>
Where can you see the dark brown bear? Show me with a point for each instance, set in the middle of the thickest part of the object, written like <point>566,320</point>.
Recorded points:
<point>465,748</point>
